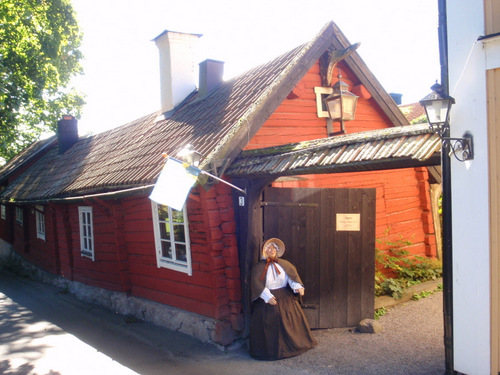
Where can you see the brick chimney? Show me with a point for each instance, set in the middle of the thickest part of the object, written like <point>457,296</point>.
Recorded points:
<point>176,67</point>
<point>211,72</point>
<point>67,133</point>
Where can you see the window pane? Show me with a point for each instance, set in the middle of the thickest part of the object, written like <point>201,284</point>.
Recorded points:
<point>178,216</point>
<point>180,252</point>
<point>165,231</point>
<point>179,233</point>
<point>40,223</point>
<point>166,249</point>
<point>171,238</point>
<point>162,213</point>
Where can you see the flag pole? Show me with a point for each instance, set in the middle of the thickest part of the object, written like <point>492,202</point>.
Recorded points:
<point>221,180</point>
<point>192,168</point>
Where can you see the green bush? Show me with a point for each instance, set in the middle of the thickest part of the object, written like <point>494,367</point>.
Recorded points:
<point>379,313</point>
<point>407,270</point>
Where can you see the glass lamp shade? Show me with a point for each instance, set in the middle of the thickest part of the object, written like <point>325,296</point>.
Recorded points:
<point>437,107</point>
<point>341,104</point>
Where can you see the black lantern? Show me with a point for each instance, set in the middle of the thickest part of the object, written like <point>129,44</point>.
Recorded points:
<point>437,107</point>
<point>341,104</point>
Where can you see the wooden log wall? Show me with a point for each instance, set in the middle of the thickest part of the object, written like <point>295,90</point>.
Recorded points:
<point>403,205</point>
<point>214,289</point>
<point>125,255</point>
<point>296,119</point>
<point>7,225</point>
<point>104,271</point>
<point>35,250</point>
<point>403,200</point>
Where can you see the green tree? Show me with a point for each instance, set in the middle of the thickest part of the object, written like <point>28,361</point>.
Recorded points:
<point>39,56</point>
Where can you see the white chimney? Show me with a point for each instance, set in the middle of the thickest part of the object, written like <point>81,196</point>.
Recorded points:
<point>176,67</point>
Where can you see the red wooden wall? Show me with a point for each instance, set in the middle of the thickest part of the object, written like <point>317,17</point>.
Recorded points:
<point>38,251</point>
<point>214,289</point>
<point>296,119</point>
<point>125,256</point>
<point>7,225</point>
<point>403,208</point>
<point>403,200</point>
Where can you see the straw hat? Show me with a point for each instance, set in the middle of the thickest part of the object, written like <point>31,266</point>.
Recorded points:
<point>278,242</point>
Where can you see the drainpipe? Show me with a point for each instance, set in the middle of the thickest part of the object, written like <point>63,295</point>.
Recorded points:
<point>446,203</point>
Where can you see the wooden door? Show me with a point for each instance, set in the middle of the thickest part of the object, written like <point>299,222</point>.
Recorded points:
<point>329,236</point>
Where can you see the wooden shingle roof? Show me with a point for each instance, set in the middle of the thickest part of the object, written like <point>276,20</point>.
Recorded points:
<point>218,126</point>
<point>413,145</point>
<point>25,157</point>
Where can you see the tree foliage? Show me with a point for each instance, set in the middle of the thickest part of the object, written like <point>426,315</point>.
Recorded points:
<point>39,56</point>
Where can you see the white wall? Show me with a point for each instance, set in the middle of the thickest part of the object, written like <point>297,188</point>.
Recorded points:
<point>470,199</point>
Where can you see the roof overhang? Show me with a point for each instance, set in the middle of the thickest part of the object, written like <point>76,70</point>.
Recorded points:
<point>392,148</point>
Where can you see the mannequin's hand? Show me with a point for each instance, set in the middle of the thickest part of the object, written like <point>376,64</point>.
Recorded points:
<point>273,301</point>
<point>300,291</point>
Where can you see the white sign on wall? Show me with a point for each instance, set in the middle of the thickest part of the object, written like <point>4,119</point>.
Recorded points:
<point>348,222</point>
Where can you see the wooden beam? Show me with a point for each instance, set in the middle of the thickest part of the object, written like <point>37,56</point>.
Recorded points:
<point>362,166</point>
<point>493,88</point>
<point>248,215</point>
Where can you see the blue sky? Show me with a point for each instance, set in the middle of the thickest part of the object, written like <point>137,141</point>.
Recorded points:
<point>398,39</point>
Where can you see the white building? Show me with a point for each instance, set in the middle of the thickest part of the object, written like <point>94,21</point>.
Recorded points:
<point>473,29</point>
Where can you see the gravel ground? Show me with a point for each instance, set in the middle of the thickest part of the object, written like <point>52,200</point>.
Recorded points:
<point>43,329</point>
<point>411,343</point>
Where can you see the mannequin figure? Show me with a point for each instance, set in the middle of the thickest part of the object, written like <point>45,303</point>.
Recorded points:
<point>279,328</point>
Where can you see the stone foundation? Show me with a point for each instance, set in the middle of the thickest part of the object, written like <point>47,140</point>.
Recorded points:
<point>5,251</point>
<point>200,327</point>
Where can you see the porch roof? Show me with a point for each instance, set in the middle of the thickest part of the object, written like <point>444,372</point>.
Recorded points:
<point>398,147</point>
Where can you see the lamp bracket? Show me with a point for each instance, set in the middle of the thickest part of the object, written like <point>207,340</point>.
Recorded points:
<point>461,148</point>
<point>329,128</point>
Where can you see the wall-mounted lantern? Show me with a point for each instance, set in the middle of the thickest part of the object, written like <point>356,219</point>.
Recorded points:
<point>341,104</point>
<point>437,108</point>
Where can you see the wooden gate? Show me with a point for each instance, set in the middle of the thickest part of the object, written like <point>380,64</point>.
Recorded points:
<point>330,237</point>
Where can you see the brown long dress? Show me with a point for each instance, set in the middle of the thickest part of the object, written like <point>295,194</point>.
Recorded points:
<point>281,330</point>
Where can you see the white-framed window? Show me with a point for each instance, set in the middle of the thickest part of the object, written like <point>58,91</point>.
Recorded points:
<point>321,94</point>
<point>171,230</point>
<point>40,222</point>
<point>86,232</point>
<point>3,211</point>
<point>19,215</point>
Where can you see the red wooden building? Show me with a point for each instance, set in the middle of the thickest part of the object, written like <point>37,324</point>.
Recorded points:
<point>78,208</point>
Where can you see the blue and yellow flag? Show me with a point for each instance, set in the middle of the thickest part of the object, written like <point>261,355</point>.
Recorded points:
<point>174,183</point>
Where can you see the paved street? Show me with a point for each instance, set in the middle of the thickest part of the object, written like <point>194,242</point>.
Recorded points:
<point>45,331</point>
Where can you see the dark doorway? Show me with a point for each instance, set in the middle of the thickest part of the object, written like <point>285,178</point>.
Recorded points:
<point>330,237</point>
